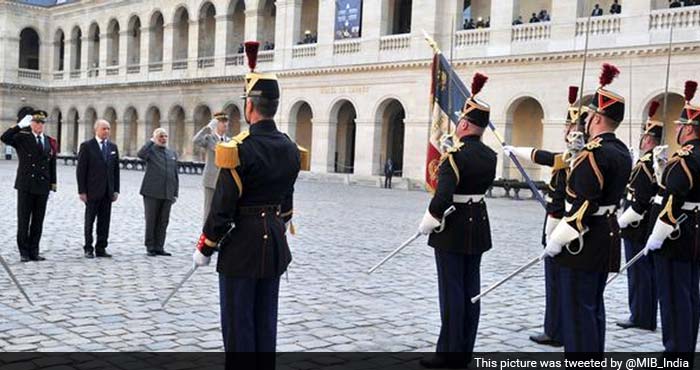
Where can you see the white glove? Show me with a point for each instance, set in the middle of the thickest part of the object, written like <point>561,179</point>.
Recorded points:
<point>628,217</point>
<point>660,232</point>
<point>428,224</point>
<point>212,124</point>
<point>549,226</point>
<point>524,153</point>
<point>563,234</point>
<point>199,259</point>
<point>25,122</point>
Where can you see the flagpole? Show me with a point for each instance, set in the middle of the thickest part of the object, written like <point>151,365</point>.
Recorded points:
<point>450,101</point>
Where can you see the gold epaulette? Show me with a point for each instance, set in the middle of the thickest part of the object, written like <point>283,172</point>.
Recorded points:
<point>559,163</point>
<point>305,158</point>
<point>227,153</point>
<point>646,158</point>
<point>593,145</point>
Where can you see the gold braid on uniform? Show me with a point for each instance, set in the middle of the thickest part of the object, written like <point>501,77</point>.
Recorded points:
<point>448,156</point>
<point>578,216</point>
<point>668,210</point>
<point>588,155</point>
<point>559,163</point>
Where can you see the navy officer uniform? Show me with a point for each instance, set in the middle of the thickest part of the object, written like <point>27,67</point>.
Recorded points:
<point>465,173</point>
<point>556,199</point>
<point>36,178</point>
<point>586,243</point>
<point>634,222</point>
<point>252,203</point>
<point>675,236</point>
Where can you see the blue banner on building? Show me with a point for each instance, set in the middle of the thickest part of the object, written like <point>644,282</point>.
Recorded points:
<point>348,19</point>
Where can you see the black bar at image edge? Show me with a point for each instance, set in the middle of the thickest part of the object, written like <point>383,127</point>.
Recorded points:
<point>335,361</point>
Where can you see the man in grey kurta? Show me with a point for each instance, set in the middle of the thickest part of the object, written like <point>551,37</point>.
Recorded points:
<point>159,190</point>
<point>207,138</point>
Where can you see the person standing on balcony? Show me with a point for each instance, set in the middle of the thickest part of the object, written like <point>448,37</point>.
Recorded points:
<point>674,4</point>
<point>597,11</point>
<point>534,18</point>
<point>615,8</point>
<point>207,138</point>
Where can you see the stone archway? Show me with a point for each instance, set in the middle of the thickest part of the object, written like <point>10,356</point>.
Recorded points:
<point>89,123</point>
<point>390,116</point>
<point>29,43</point>
<point>206,37</point>
<point>176,121</point>
<point>56,123</point>
<point>235,27</point>
<point>152,122</point>
<point>130,124</point>
<point>181,32</point>
<point>111,117</point>
<point>524,127</point>
<point>71,134</point>
<point>113,43</point>
<point>344,140</point>
<point>156,34</point>
<point>301,125</point>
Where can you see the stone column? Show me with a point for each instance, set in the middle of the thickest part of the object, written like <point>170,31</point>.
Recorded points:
<point>83,130</point>
<point>168,35</point>
<point>501,27</point>
<point>564,15</point>
<point>103,54</point>
<point>368,136</point>
<point>416,130</point>
<point>323,147</point>
<point>326,29</point>
<point>123,57</point>
<point>187,149</point>
<point>220,41</point>
<point>635,22</point>
<point>145,47</point>
<point>84,56</point>
<point>371,25</point>
<point>287,24</point>
<point>193,45</point>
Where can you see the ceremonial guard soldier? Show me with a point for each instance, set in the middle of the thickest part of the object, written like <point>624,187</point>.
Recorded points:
<point>36,177</point>
<point>555,197</point>
<point>586,243</point>
<point>634,222</point>
<point>251,205</point>
<point>465,173</point>
<point>676,235</point>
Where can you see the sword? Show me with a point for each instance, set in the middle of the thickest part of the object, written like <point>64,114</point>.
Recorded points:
<point>411,240</point>
<point>639,255</point>
<point>520,269</point>
<point>192,269</point>
<point>14,280</point>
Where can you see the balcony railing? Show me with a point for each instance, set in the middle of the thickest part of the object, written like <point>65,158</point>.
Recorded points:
<point>205,62</point>
<point>599,25</point>
<point>133,69</point>
<point>29,73</point>
<point>155,67</point>
<point>304,51</point>
<point>235,60</point>
<point>346,47</point>
<point>266,56</point>
<point>395,42</point>
<point>58,75</point>
<point>532,32</point>
<point>179,65</point>
<point>112,71</point>
<point>476,37</point>
<point>678,18</point>
<point>93,72</point>
<point>74,74</point>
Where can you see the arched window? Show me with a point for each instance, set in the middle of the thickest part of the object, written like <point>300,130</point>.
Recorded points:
<point>206,36</point>
<point>398,16</point>
<point>29,49</point>
<point>59,50</point>
<point>133,45</point>
<point>235,27</point>
<point>155,51</point>
<point>308,32</point>
<point>76,39</point>
<point>113,43</point>
<point>93,48</point>
<point>181,38</point>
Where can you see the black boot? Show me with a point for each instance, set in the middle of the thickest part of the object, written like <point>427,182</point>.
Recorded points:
<point>545,339</point>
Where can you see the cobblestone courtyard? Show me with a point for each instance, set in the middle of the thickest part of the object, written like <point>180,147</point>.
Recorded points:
<point>328,302</point>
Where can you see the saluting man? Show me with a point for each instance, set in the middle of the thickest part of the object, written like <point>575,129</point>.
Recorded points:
<point>555,197</point>
<point>676,235</point>
<point>207,138</point>
<point>586,243</point>
<point>634,222</point>
<point>465,173</point>
<point>36,177</point>
<point>252,203</point>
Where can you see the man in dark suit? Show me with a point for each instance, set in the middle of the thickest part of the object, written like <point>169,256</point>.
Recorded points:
<point>36,177</point>
<point>597,11</point>
<point>98,186</point>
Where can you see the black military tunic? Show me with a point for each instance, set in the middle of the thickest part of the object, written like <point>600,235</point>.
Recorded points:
<point>640,193</point>
<point>598,179</point>
<point>556,188</point>
<point>677,263</point>
<point>256,194</point>
<point>467,170</point>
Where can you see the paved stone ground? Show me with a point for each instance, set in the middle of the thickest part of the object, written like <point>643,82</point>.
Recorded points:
<point>328,302</point>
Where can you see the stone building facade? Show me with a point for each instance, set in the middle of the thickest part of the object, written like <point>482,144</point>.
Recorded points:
<point>354,102</point>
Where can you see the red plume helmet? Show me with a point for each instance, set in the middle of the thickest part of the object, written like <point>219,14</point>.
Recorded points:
<point>251,51</point>
<point>653,108</point>
<point>478,83</point>
<point>690,88</point>
<point>608,74</point>
<point>573,94</point>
